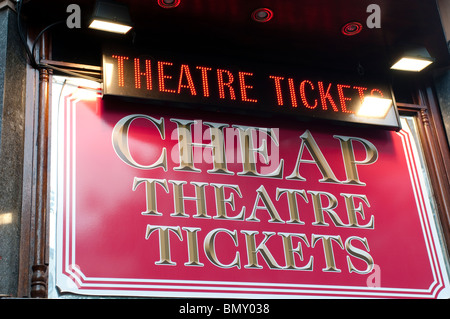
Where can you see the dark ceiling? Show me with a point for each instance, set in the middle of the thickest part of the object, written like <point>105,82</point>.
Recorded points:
<point>300,32</point>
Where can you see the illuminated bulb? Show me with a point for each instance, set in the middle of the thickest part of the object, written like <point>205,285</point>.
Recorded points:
<point>374,107</point>
<point>411,64</point>
<point>6,218</point>
<point>110,26</point>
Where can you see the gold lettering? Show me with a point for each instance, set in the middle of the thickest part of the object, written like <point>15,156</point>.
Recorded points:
<point>319,209</point>
<point>120,141</point>
<point>185,145</point>
<point>164,242</point>
<point>289,251</point>
<point>248,152</point>
<point>221,201</point>
<point>360,254</point>
<point>252,250</point>
<point>218,148</point>
<point>318,159</point>
<point>150,193</point>
<point>192,246</point>
<point>328,250</point>
<point>352,210</point>
<point>179,198</point>
<point>268,206</point>
<point>292,201</point>
<point>349,157</point>
<point>211,252</point>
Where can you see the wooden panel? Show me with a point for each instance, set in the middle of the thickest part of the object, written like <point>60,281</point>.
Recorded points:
<point>436,152</point>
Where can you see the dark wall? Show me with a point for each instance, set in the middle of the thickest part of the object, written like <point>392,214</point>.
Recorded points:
<point>442,83</point>
<point>12,118</point>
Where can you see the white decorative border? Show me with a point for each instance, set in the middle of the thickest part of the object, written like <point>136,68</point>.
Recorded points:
<point>69,278</point>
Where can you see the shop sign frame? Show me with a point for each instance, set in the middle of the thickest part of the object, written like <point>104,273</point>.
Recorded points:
<point>83,259</point>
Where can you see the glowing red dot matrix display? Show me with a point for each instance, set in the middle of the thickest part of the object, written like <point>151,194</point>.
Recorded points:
<point>320,96</point>
<point>162,77</point>
<point>292,92</point>
<point>186,73</point>
<point>303,94</point>
<point>120,70</point>
<point>378,91</point>
<point>277,80</point>
<point>138,74</point>
<point>361,91</point>
<point>221,83</point>
<point>343,98</point>
<point>244,87</point>
<point>326,96</point>
<point>205,84</point>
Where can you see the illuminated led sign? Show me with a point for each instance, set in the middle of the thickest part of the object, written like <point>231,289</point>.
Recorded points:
<point>262,89</point>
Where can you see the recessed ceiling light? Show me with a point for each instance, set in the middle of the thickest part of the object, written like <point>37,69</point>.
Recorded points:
<point>167,4</point>
<point>262,15</point>
<point>351,28</point>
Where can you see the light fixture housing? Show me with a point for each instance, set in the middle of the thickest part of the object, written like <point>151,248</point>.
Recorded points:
<point>111,16</point>
<point>413,60</point>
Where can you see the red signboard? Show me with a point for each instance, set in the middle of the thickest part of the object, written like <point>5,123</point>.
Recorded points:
<point>159,202</point>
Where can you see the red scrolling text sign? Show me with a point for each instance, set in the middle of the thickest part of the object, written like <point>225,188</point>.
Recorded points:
<point>163,204</point>
<point>268,88</point>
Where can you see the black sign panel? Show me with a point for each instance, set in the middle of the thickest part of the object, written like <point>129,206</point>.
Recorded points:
<point>251,88</point>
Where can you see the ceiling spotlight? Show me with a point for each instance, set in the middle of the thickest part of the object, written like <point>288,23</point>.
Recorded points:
<point>351,28</point>
<point>111,17</point>
<point>414,60</point>
<point>262,15</point>
<point>167,4</point>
